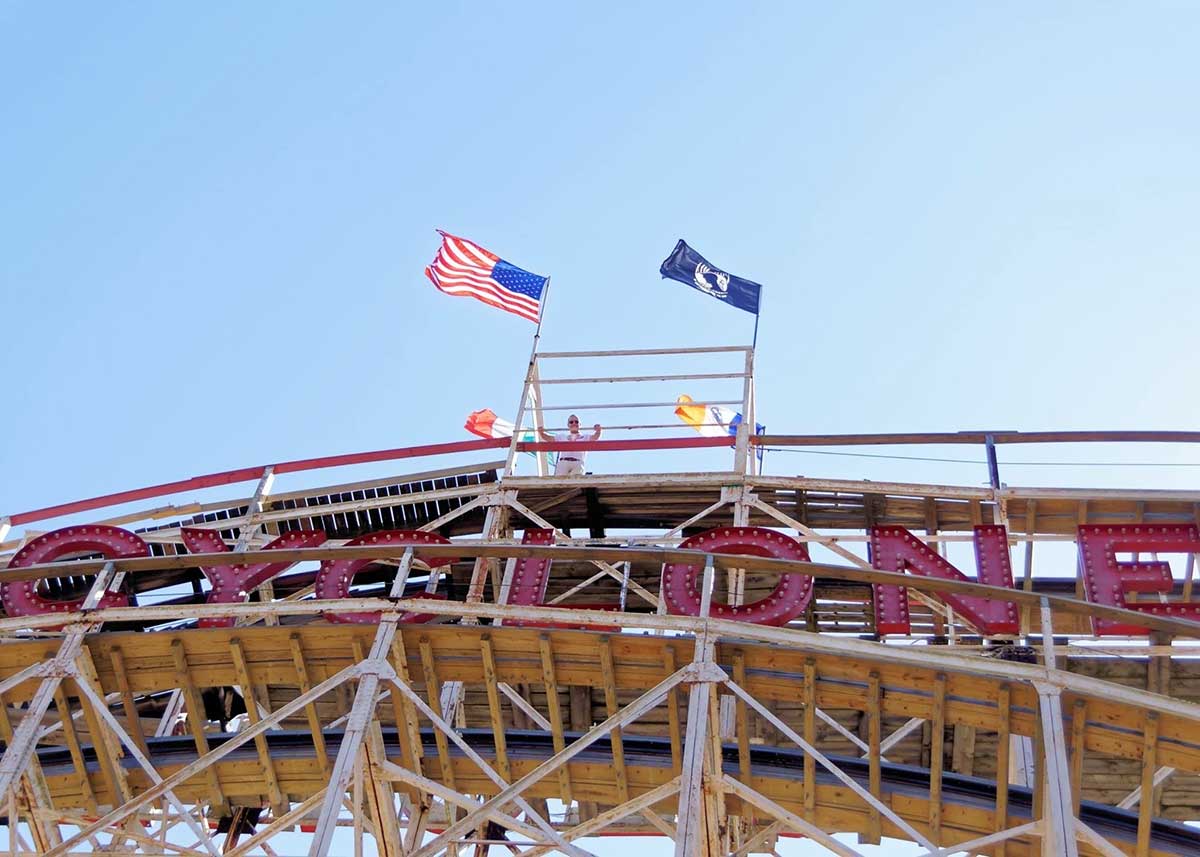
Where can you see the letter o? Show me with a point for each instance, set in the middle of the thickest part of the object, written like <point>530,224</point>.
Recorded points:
<point>790,598</point>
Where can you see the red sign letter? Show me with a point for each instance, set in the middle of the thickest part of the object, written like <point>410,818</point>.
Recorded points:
<point>333,580</point>
<point>232,583</point>
<point>896,549</point>
<point>23,599</point>
<point>530,576</point>
<point>1105,581</point>
<point>788,600</point>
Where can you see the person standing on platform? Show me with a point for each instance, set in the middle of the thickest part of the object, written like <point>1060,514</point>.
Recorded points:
<point>570,461</point>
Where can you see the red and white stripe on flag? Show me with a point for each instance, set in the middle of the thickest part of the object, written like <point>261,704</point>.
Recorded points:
<point>465,269</point>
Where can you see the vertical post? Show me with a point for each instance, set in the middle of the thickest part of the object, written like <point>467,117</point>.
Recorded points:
<point>539,421</point>
<point>757,314</point>
<point>745,429</point>
<point>751,406</point>
<point>1049,652</point>
<point>518,423</point>
<point>1027,578</point>
<point>530,374</point>
<point>1058,817</point>
<point>357,723</point>
<point>736,590</point>
<point>690,824</point>
<point>993,464</point>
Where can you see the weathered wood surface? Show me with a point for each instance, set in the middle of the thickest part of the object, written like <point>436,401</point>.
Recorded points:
<point>1112,734</point>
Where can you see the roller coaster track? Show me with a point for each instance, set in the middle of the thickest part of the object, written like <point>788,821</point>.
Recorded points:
<point>767,764</point>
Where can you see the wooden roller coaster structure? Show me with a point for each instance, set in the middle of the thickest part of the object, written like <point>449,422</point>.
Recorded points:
<point>425,712</point>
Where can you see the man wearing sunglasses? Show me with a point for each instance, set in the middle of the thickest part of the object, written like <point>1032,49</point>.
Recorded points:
<point>570,461</point>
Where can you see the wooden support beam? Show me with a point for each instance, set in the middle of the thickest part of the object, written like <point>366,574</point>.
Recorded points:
<point>810,735</point>
<point>899,735</point>
<point>523,710</point>
<point>1027,574</point>
<point>582,719</point>
<point>108,720</point>
<point>674,727</point>
<point>1003,746</point>
<point>1039,767</point>
<point>742,719</point>
<point>381,802</point>
<point>556,715</point>
<point>712,790</point>
<point>18,753</point>
<point>494,710</point>
<point>305,684</point>
<point>874,715</point>
<point>1134,797</point>
<point>270,779</point>
<point>642,804</point>
<point>1102,845</point>
<point>1149,764</point>
<point>195,722</point>
<point>963,753</point>
<point>825,762</point>
<point>980,843</point>
<point>792,820</point>
<point>408,727</point>
<point>509,792</point>
<point>108,750</point>
<point>450,798</point>
<point>608,673</point>
<point>1058,832</point>
<point>631,712</point>
<point>1078,748</point>
<point>433,691</point>
<point>135,804</point>
<point>71,735</point>
<point>33,787</point>
<point>937,754</point>
<point>150,845</point>
<point>690,841</point>
<point>131,713</point>
<point>361,714</point>
<point>279,825</point>
<point>761,840</point>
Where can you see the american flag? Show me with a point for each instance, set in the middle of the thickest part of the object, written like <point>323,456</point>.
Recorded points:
<point>463,268</point>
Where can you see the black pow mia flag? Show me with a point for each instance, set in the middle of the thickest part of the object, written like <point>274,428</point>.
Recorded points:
<point>687,266</point>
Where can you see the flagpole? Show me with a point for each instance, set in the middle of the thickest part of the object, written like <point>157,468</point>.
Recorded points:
<point>541,315</point>
<point>754,344</point>
<point>537,333</point>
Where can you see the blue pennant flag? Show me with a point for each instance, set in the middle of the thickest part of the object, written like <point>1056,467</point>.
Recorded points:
<point>687,266</point>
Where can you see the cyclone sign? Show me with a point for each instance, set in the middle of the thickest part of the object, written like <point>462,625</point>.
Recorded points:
<point>1106,579</point>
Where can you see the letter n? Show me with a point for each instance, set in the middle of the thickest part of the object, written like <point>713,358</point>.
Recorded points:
<point>896,549</point>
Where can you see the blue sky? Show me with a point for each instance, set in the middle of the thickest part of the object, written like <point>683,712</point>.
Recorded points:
<point>215,219</point>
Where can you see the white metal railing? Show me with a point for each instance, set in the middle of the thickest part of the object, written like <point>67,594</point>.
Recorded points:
<point>534,407</point>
